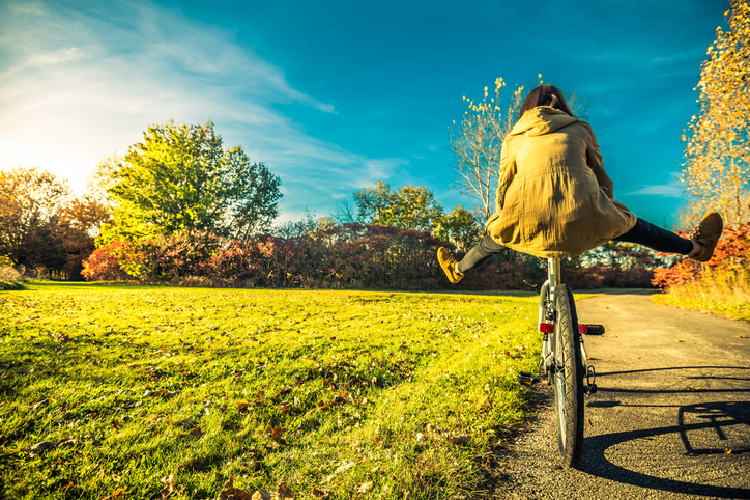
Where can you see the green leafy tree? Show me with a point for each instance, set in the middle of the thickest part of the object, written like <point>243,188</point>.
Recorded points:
<point>409,207</point>
<point>717,153</point>
<point>459,227</point>
<point>182,178</point>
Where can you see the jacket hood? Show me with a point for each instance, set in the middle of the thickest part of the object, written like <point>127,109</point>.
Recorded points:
<point>542,120</point>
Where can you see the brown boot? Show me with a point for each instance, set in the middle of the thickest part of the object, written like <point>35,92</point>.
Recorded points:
<point>449,265</point>
<point>707,236</point>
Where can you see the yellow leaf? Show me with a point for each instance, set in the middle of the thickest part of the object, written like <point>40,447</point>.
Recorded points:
<point>365,487</point>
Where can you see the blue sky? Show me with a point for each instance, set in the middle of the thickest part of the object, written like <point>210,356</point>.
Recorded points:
<point>336,95</point>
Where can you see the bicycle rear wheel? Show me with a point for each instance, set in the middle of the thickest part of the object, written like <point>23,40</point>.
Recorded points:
<point>567,378</point>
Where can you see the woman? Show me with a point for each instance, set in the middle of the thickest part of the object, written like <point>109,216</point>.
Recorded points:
<point>554,198</point>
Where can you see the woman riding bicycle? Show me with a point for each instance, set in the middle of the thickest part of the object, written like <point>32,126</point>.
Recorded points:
<point>554,198</point>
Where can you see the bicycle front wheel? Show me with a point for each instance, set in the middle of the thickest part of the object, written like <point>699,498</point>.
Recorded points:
<point>567,378</point>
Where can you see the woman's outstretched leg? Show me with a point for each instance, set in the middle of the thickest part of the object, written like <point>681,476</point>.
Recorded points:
<point>476,257</point>
<point>700,247</point>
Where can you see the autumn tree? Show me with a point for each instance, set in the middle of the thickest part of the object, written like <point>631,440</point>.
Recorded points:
<point>716,171</point>
<point>30,201</point>
<point>409,207</point>
<point>79,222</point>
<point>42,224</point>
<point>477,140</point>
<point>182,178</point>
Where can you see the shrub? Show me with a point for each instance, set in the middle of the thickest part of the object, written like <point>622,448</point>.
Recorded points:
<point>349,255</point>
<point>729,264</point>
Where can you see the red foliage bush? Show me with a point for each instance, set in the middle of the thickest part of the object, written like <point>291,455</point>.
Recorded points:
<point>104,263</point>
<point>732,251</point>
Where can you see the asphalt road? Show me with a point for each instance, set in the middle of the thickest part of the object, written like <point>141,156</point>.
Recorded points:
<point>671,418</point>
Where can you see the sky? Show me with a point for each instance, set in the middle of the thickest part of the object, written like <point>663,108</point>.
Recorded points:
<point>333,96</point>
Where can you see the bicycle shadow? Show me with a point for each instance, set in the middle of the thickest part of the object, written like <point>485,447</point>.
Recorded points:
<point>711,429</point>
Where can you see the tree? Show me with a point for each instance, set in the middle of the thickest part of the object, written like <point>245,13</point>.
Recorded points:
<point>409,208</point>
<point>30,201</point>
<point>477,142</point>
<point>181,178</point>
<point>459,227</point>
<point>716,171</point>
<point>79,223</point>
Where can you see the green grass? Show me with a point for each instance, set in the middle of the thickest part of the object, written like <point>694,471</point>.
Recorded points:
<point>134,384</point>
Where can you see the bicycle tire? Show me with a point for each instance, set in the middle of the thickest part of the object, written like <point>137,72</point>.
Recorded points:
<point>567,378</point>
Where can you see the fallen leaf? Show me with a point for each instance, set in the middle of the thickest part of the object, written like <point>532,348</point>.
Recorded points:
<point>195,466</point>
<point>592,357</point>
<point>169,488</point>
<point>231,493</point>
<point>40,404</point>
<point>679,340</point>
<point>589,422</point>
<point>345,466</point>
<point>64,484</point>
<point>431,429</point>
<point>695,389</point>
<point>196,431</point>
<point>243,404</point>
<point>186,422</point>
<point>460,440</point>
<point>741,336</point>
<point>319,493</point>
<point>118,493</point>
<point>276,433</point>
<point>365,487</point>
<point>728,451</point>
<point>285,491</point>
<point>43,446</point>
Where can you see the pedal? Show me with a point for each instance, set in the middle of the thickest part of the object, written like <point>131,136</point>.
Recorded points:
<point>527,378</point>
<point>591,329</point>
<point>590,381</point>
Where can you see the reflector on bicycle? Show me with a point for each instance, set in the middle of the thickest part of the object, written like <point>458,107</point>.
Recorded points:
<point>582,329</point>
<point>546,327</point>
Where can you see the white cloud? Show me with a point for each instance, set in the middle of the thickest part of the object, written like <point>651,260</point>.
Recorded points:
<point>672,189</point>
<point>75,86</point>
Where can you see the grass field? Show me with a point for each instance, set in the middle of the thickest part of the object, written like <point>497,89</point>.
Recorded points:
<point>723,291</point>
<point>143,392</point>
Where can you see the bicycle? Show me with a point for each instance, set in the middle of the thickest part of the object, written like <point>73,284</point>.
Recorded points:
<point>564,363</point>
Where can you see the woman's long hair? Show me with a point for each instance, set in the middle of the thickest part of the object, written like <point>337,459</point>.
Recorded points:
<point>545,95</point>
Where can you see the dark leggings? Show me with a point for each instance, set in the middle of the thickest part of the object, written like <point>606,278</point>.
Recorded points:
<point>643,233</point>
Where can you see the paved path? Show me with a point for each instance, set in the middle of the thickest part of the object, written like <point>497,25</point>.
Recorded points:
<point>671,419</point>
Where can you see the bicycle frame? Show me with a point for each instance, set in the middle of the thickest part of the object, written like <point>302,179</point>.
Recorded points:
<point>546,316</point>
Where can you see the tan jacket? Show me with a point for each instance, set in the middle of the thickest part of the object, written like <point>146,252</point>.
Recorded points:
<point>554,198</point>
